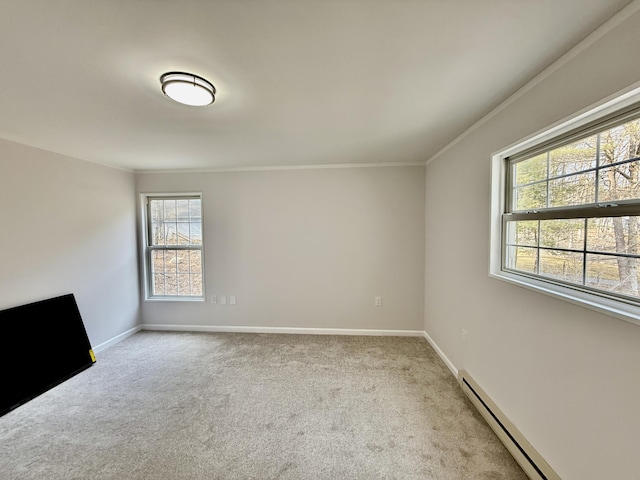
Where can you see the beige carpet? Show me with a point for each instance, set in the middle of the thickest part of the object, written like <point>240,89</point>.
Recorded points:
<point>163,405</point>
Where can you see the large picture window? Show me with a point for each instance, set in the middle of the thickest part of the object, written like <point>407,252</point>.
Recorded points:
<point>569,213</point>
<point>174,254</point>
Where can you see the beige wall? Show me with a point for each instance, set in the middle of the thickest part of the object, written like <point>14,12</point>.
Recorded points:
<point>68,226</point>
<point>305,248</point>
<point>566,376</point>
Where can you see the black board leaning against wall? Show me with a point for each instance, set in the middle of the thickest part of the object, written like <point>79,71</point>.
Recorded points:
<point>42,344</point>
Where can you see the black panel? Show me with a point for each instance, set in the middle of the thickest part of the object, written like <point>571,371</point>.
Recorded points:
<point>41,345</point>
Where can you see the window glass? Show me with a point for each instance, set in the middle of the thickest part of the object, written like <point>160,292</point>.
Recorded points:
<point>561,265</point>
<point>620,143</point>
<point>564,233</point>
<point>522,258</point>
<point>572,217</point>
<point>523,233</point>
<point>531,170</point>
<point>573,158</point>
<point>174,249</point>
<point>530,197</point>
<point>572,190</point>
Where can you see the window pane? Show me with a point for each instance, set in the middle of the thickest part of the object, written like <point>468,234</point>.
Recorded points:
<point>531,170</point>
<point>530,197</point>
<point>184,284</point>
<point>157,261</point>
<point>173,271</point>
<point>157,234</point>
<point>615,274</point>
<point>562,234</point>
<point>566,266</point>
<point>169,210</point>
<point>196,234</point>
<point>182,261</point>
<point>614,235</point>
<point>196,285</point>
<point>547,192</point>
<point>523,233</point>
<point>620,143</point>
<point>171,284</point>
<point>195,209</point>
<point>171,233</point>
<point>575,157</point>
<point>522,258</point>
<point>157,210</point>
<point>182,210</point>
<point>176,272</point>
<point>572,190</point>
<point>158,284</point>
<point>170,261</point>
<point>175,222</point>
<point>620,182</point>
<point>195,261</point>
<point>183,237</point>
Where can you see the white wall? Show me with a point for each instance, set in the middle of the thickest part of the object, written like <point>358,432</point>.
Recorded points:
<point>68,226</point>
<point>305,248</point>
<point>566,376</point>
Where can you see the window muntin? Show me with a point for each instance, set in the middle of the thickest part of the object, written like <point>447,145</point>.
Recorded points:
<point>174,251</point>
<point>572,211</point>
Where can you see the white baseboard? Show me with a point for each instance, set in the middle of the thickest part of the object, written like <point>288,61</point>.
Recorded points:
<point>283,330</point>
<point>441,354</point>
<point>294,330</point>
<point>116,339</point>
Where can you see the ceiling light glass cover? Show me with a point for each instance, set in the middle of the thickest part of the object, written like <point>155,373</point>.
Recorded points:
<point>188,88</point>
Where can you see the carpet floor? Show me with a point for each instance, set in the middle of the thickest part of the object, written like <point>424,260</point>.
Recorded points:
<point>164,405</point>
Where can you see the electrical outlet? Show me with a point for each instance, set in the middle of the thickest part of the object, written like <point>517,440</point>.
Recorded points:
<point>378,301</point>
<point>213,299</point>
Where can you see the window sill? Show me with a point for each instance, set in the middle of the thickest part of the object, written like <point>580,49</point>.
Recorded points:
<point>175,299</point>
<point>608,306</point>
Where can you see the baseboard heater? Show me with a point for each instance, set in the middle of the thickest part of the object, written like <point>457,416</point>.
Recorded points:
<point>522,451</point>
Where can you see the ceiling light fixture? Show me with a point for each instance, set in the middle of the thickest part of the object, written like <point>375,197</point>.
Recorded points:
<point>188,88</point>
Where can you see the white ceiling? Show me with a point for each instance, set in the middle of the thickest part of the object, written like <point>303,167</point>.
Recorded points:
<point>299,82</point>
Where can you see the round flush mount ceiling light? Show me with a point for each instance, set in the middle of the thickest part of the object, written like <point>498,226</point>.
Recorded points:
<point>188,88</point>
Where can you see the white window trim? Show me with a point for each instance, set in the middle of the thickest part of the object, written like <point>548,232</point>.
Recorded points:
<point>609,306</point>
<point>144,237</point>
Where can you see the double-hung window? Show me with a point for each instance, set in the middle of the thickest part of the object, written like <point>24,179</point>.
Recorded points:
<point>173,246</point>
<point>568,215</point>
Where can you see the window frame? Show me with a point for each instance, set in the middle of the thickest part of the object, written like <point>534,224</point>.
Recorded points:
<point>147,248</point>
<point>614,110</point>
